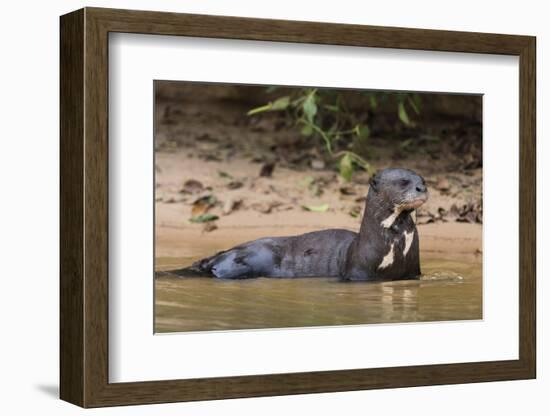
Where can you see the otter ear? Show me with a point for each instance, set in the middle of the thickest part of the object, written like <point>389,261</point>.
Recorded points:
<point>373,183</point>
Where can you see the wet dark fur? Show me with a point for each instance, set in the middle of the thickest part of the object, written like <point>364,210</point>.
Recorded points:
<point>336,252</point>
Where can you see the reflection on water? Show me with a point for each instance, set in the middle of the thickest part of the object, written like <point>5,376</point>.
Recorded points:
<point>448,290</point>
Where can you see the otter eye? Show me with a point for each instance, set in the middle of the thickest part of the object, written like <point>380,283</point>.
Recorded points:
<point>404,182</point>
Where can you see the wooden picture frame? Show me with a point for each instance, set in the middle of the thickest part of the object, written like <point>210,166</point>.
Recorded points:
<point>84,207</point>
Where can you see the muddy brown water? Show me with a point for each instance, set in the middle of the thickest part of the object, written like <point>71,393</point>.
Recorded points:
<point>450,289</point>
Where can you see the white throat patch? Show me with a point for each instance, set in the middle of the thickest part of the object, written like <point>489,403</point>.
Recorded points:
<point>388,222</point>
<point>387,260</point>
<point>408,241</point>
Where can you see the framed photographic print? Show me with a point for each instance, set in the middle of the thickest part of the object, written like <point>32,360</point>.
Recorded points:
<point>255,207</point>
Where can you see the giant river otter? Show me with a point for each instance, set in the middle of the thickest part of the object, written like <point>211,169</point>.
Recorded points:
<point>386,247</point>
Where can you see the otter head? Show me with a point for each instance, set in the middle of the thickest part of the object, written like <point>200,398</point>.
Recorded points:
<point>399,189</point>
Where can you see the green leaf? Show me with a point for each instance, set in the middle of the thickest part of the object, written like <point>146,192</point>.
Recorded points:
<point>405,143</point>
<point>331,107</point>
<point>362,131</point>
<point>307,130</point>
<point>373,101</point>
<point>414,104</point>
<point>261,109</point>
<point>417,100</point>
<point>346,167</point>
<point>324,135</point>
<point>364,165</point>
<point>316,208</point>
<point>403,116</point>
<point>280,103</point>
<point>223,174</point>
<point>204,218</point>
<point>309,107</point>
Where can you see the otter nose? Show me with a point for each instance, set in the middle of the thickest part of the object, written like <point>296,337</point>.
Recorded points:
<point>420,188</point>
